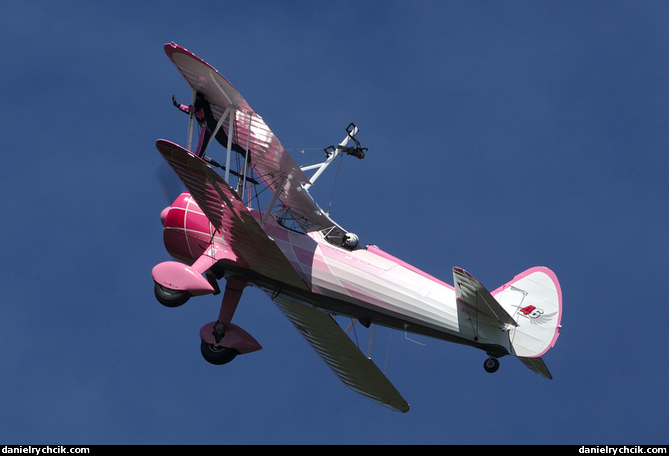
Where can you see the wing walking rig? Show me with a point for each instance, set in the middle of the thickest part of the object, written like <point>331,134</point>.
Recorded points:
<point>309,266</point>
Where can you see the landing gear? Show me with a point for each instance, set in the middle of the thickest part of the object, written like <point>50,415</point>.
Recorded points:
<point>221,340</point>
<point>216,354</point>
<point>491,365</point>
<point>169,297</point>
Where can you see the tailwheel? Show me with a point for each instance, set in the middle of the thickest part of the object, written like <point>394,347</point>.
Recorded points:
<point>221,340</point>
<point>169,297</point>
<point>216,354</point>
<point>491,365</point>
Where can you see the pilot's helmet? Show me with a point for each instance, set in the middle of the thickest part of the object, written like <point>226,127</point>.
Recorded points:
<point>350,241</point>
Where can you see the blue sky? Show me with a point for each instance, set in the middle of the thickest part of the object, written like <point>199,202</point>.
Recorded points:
<point>501,136</point>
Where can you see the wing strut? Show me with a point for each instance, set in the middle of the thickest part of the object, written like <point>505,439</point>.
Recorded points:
<point>229,111</point>
<point>191,122</point>
<point>241,187</point>
<point>371,340</point>
<point>275,196</point>
<point>218,127</point>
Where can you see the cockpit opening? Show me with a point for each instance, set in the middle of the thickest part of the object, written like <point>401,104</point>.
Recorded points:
<point>336,236</point>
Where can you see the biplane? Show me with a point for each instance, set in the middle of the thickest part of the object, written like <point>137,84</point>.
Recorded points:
<point>312,268</point>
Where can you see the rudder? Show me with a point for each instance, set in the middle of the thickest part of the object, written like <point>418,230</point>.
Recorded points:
<point>534,299</point>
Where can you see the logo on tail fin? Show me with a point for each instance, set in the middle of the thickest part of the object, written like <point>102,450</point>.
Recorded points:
<point>535,314</point>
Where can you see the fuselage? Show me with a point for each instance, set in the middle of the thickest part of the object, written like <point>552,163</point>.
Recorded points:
<point>364,283</point>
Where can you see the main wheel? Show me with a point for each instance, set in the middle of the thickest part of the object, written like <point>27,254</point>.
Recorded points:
<point>491,365</point>
<point>169,297</point>
<point>217,355</point>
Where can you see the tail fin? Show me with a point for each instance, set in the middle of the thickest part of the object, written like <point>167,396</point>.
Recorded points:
<point>534,300</point>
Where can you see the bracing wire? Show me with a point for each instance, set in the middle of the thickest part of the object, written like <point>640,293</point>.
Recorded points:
<point>385,366</point>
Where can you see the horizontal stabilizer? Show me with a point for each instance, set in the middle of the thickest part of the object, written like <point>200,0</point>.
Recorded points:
<point>471,293</point>
<point>537,366</point>
<point>342,355</point>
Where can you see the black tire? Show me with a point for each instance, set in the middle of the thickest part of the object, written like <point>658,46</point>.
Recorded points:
<point>217,355</point>
<point>491,365</point>
<point>170,298</point>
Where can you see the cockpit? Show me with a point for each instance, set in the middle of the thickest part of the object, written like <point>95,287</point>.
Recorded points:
<point>337,236</point>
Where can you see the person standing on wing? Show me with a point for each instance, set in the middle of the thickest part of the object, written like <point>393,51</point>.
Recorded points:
<point>205,118</point>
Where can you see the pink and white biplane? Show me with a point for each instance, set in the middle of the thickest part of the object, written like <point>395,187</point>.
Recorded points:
<point>312,268</point>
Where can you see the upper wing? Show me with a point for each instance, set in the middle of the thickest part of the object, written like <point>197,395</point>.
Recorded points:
<point>269,158</point>
<point>226,211</point>
<point>340,353</point>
